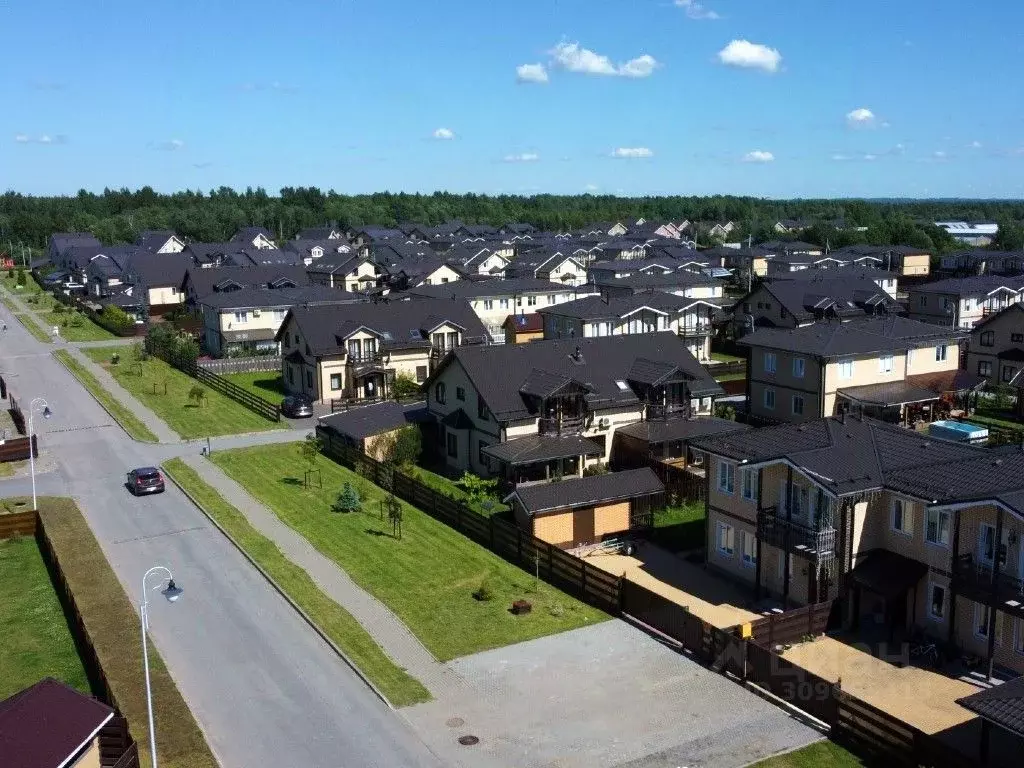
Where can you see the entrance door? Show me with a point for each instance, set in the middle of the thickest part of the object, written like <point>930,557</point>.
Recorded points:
<point>583,526</point>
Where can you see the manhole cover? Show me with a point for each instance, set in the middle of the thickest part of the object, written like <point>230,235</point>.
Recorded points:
<point>454,722</point>
<point>468,741</point>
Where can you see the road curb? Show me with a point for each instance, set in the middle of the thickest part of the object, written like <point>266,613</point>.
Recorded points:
<point>280,590</point>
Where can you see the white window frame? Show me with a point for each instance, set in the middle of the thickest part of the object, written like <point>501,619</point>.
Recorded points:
<point>886,363</point>
<point>846,368</point>
<point>726,477</point>
<point>932,585</point>
<point>730,533</point>
<point>769,391</point>
<point>749,479</point>
<point>749,560</point>
<point>938,527</point>
<point>241,316</point>
<point>799,367</point>
<point>771,362</point>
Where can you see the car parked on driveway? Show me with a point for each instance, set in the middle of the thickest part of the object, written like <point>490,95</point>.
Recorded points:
<point>297,407</point>
<point>143,480</point>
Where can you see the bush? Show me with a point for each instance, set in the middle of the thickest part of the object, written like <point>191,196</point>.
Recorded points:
<point>725,412</point>
<point>116,320</point>
<point>406,387</point>
<point>404,447</point>
<point>597,469</point>
<point>21,278</point>
<point>10,272</point>
<point>348,500</point>
<point>485,592</point>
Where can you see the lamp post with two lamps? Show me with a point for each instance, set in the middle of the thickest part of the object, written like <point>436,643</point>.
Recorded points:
<point>47,413</point>
<point>172,592</point>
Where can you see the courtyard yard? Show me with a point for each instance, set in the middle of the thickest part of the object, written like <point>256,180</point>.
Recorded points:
<point>268,385</point>
<point>428,577</point>
<point>165,391</point>
<point>36,641</point>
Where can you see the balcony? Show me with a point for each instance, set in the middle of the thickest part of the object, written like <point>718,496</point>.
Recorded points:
<point>665,411</point>
<point>695,330</point>
<point>973,580</point>
<point>566,425</point>
<point>365,358</point>
<point>773,528</point>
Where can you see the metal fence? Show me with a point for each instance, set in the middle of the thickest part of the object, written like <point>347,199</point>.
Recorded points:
<point>259,364</point>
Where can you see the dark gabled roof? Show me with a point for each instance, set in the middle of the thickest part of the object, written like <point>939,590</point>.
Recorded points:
<point>861,336</point>
<point>248,234</point>
<point>1015,308</point>
<point>681,278</point>
<point>457,419</point>
<point>240,254</point>
<point>205,280</point>
<point>45,725</point>
<point>61,240</point>
<point>789,246</point>
<point>382,233</point>
<point>81,256</point>
<point>1000,704</point>
<point>265,298</point>
<point>531,323</point>
<point>888,393</point>
<point>587,491</point>
<point>466,289</point>
<point>843,274</point>
<point>316,233</point>
<point>600,307</point>
<point>888,574</point>
<point>971,286</point>
<point>399,324</point>
<point>543,384</point>
<point>658,431</point>
<point>368,420</point>
<point>536,448</point>
<point>157,270</point>
<point>600,363</point>
<point>806,297</point>
<point>154,239</point>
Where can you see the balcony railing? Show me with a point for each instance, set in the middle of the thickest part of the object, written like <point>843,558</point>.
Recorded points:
<point>773,528</point>
<point>663,411</point>
<point>362,358</point>
<point>973,579</point>
<point>692,330</point>
<point>566,425</point>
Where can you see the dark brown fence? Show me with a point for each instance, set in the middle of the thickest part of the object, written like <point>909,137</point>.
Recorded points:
<point>791,626</point>
<point>17,449</point>
<point>679,481</point>
<point>117,748</point>
<point>18,524</point>
<point>17,415</point>
<point>507,540</point>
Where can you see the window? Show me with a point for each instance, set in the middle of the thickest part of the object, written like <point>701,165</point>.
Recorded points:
<point>988,339</point>
<point>798,405</point>
<point>982,616</point>
<point>936,530</point>
<point>748,484</point>
<point>481,408</point>
<point>769,399</point>
<point>936,602</point>
<point>922,301</point>
<point>453,445</point>
<point>503,303</point>
<point>421,373</point>
<point>901,517</point>
<point>984,368</point>
<point>885,364</point>
<point>726,477</point>
<point>749,549</point>
<point>531,301</point>
<point>798,367</point>
<point>335,382</point>
<point>940,353</point>
<point>440,393</point>
<point>460,394</point>
<point>726,539</point>
<point>488,303</point>
<point>241,316</point>
<point>482,457</point>
<point>770,362</point>
<point>846,369</point>
<point>1017,338</point>
<point>1009,372</point>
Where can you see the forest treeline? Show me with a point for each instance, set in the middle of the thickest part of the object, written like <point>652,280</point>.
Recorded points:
<point>117,216</point>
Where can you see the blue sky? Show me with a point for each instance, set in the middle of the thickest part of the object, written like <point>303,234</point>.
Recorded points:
<point>774,98</point>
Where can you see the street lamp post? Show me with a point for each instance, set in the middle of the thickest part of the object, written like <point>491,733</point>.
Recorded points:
<point>47,413</point>
<point>172,592</point>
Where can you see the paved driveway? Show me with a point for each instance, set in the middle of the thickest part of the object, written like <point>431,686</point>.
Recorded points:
<point>602,696</point>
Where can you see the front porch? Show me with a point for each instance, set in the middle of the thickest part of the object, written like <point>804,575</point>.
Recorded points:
<point>540,458</point>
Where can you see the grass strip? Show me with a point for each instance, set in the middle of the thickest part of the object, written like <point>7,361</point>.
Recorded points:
<point>128,420</point>
<point>113,627</point>
<point>400,688</point>
<point>821,754</point>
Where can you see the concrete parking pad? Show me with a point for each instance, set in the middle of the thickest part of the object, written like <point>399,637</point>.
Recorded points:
<point>607,695</point>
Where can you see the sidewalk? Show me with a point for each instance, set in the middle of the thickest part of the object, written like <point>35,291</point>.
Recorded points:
<point>384,627</point>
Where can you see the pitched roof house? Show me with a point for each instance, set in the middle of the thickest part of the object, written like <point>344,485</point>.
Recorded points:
<point>995,350</point>
<point>159,276</point>
<point>160,241</point>
<point>963,302</point>
<point>257,237</point>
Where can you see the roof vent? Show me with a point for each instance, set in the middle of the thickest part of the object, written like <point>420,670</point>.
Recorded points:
<point>997,462</point>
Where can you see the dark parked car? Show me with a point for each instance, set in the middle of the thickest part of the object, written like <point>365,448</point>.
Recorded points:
<point>145,480</point>
<point>297,407</point>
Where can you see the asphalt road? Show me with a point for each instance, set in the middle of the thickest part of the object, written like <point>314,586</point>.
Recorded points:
<point>264,688</point>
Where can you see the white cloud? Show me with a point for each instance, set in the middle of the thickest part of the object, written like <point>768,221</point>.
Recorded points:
<point>748,55</point>
<point>591,188</point>
<point>939,154</point>
<point>531,73</point>
<point>171,145</point>
<point>444,134</point>
<point>758,156</point>
<point>22,138</point>
<point>974,145</point>
<point>860,117</point>
<point>696,10</point>
<point>840,158</point>
<point>44,139</point>
<point>870,157</point>
<point>574,58</point>
<point>523,157</point>
<point>632,153</point>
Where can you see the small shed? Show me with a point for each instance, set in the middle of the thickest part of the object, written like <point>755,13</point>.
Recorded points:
<point>367,427</point>
<point>520,329</point>
<point>585,510</point>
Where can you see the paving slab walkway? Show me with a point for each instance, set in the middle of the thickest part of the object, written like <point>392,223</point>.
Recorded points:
<point>393,636</point>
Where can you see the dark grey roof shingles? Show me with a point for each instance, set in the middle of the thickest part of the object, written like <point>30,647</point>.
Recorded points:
<point>585,491</point>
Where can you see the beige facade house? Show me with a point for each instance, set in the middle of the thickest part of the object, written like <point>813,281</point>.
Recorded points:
<point>552,408</point>
<point>887,366</point>
<point>995,350</point>
<point>355,351</point>
<point>353,274</point>
<point>159,277</point>
<point>903,530</point>
<point>963,302</point>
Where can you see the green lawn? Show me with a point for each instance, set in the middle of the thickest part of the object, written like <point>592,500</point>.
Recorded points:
<point>76,326</point>
<point>680,528</point>
<point>37,642</point>
<point>128,420</point>
<point>427,578</point>
<point>8,468</point>
<point>400,688</point>
<point>268,385</point>
<point>822,754</point>
<point>731,377</point>
<point>450,488</point>
<point>721,357</point>
<point>995,417</point>
<point>11,284</point>
<point>28,320</point>
<point>218,414</point>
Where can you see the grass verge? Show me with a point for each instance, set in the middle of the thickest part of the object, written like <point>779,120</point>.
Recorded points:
<point>680,528</point>
<point>821,754</point>
<point>29,321</point>
<point>148,381</point>
<point>268,385</point>
<point>76,326</point>
<point>427,577</point>
<point>128,420</point>
<point>400,688</point>
<point>113,627</point>
<point>37,642</point>
<point>451,489</point>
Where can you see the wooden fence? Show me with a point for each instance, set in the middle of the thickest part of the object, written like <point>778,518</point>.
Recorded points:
<point>18,524</point>
<point>791,626</point>
<point>680,482</point>
<point>507,540</point>
<point>17,449</point>
<point>259,364</point>
<point>722,369</point>
<point>17,415</point>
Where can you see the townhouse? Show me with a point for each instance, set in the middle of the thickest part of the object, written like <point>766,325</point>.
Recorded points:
<point>963,302</point>
<point>239,254</point>
<point>681,282</point>
<point>749,260</point>
<point>160,241</point>
<point>346,272</point>
<point>804,298</point>
<point>984,262</point>
<point>558,265</point>
<point>355,351</point>
<point>690,319</point>
<point>794,261</point>
<point>332,232</point>
<point>158,278</point>
<point>551,408</point>
<point>494,300</point>
<point>995,349</point>
<point>255,237</point>
<point>201,282</point>
<point>901,528</point>
<point>904,260</point>
<point>888,366</point>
